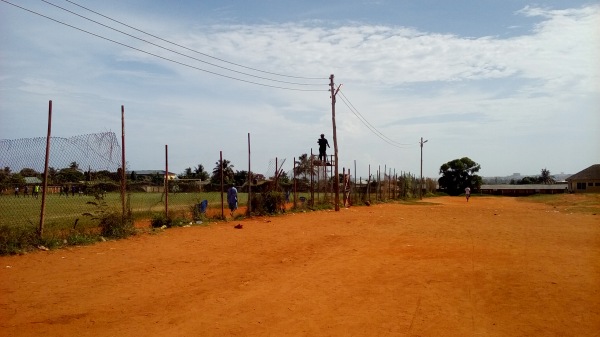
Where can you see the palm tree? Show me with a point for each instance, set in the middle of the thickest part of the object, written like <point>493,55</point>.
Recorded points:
<point>200,173</point>
<point>226,169</point>
<point>546,178</point>
<point>303,166</point>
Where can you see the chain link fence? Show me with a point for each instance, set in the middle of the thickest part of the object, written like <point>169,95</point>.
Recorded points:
<point>82,170</point>
<point>85,184</point>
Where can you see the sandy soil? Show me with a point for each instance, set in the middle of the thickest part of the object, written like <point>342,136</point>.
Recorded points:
<point>443,267</point>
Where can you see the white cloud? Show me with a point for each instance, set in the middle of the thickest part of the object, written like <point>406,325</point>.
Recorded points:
<point>472,97</point>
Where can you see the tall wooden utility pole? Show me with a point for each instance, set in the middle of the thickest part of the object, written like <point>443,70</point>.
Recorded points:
<point>123,177</point>
<point>335,147</point>
<point>421,181</point>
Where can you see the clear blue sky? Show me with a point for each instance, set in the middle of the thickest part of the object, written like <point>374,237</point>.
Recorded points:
<point>513,85</point>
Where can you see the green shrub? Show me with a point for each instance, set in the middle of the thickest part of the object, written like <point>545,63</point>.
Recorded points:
<point>17,240</point>
<point>112,223</point>
<point>268,203</point>
<point>159,220</point>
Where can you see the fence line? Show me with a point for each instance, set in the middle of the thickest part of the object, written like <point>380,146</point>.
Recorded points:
<point>86,168</point>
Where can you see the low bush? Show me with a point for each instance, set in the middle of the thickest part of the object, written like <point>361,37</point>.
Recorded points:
<point>268,203</point>
<point>160,220</point>
<point>17,240</point>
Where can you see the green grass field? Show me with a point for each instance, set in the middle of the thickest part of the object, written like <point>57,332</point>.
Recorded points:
<point>62,212</point>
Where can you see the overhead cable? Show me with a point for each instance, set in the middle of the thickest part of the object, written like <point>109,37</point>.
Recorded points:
<point>378,133</point>
<point>178,53</point>
<point>192,50</point>
<point>158,56</point>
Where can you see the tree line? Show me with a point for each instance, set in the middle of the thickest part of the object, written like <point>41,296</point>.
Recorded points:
<point>456,175</point>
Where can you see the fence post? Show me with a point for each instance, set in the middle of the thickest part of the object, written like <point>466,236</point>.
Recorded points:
<point>123,176</point>
<point>312,173</point>
<point>166,182</point>
<point>222,174</point>
<point>295,184</point>
<point>45,184</point>
<point>249,205</point>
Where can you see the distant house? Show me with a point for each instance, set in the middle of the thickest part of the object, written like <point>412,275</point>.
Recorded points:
<point>523,190</point>
<point>586,181</point>
<point>32,181</point>
<point>149,174</point>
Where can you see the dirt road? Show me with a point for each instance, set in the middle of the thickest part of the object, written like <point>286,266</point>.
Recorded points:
<point>443,267</point>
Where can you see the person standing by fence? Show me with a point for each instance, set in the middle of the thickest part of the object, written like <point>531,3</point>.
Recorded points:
<point>232,199</point>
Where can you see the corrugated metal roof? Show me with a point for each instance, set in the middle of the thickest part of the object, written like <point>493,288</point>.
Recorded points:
<point>525,187</point>
<point>590,173</point>
<point>32,180</point>
<point>149,172</point>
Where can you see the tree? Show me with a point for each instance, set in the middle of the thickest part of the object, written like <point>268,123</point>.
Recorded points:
<point>69,175</point>
<point>240,177</point>
<point>283,177</point>
<point>546,178</point>
<point>16,179</point>
<point>200,173</point>
<point>459,174</point>
<point>52,172</point>
<point>4,178</point>
<point>28,172</point>
<point>187,174</point>
<point>226,169</point>
<point>303,166</point>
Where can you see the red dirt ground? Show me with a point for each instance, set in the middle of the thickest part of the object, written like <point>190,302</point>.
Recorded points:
<point>444,267</point>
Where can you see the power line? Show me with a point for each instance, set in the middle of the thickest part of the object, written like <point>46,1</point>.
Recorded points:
<point>158,56</point>
<point>378,133</point>
<point>195,51</point>
<point>173,51</point>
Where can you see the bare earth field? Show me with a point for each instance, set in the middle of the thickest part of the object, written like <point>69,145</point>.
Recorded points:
<point>443,267</point>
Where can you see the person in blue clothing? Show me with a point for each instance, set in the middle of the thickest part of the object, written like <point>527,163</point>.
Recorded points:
<point>232,199</point>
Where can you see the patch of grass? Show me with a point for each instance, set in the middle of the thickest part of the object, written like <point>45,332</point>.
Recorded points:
<point>576,203</point>
<point>81,238</point>
<point>17,240</point>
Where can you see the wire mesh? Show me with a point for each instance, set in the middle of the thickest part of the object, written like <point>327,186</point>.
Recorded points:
<point>81,171</point>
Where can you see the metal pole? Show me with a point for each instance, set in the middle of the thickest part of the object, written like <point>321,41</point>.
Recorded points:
<point>222,174</point>
<point>295,183</point>
<point>249,208</point>
<point>421,181</point>
<point>167,182</point>
<point>384,191</point>
<point>45,183</point>
<point>312,187</point>
<point>344,190</point>
<point>123,176</point>
<point>369,185</point>
<point>354,189</point>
